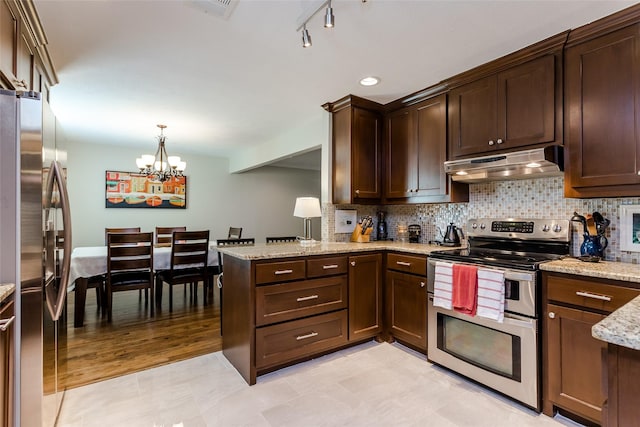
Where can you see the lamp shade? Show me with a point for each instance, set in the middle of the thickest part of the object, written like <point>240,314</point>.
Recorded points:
<point>307,207</point>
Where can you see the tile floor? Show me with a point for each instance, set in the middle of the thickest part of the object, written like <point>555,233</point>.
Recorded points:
<point>368,385</point>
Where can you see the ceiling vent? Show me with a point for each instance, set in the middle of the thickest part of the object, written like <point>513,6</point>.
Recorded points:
<point>219,8</point>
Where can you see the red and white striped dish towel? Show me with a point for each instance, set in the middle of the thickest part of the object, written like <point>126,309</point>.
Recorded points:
<point>443,285</point>
<point>491,294</point>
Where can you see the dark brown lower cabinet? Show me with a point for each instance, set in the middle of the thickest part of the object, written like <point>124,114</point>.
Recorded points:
<point>407,308</point>
<point>574,376</point>
<point>283,342</point>
<point>365,296</point>
<point>623,371</point>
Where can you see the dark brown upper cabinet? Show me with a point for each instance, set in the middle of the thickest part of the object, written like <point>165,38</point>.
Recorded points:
<point>25,63</point>
<point>510,109</point>
<point>416,148</point>
<point>356,127</point>
<point>509,103</point>
<point>602,107</point>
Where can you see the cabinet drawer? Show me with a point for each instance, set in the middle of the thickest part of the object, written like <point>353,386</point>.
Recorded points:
<point>589,294</point>
<point>283,271</point>
<point>320,267</point>
<point>288,301</point>
<point>407,263</point>
<point>288,341</point>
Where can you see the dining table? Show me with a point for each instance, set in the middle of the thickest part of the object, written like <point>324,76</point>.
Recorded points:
<point>90,261</point>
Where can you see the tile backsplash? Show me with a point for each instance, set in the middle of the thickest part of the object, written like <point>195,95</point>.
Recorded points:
<point>534,198</point>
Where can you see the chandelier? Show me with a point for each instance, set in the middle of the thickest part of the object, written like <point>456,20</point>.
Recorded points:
<point>160,166</point>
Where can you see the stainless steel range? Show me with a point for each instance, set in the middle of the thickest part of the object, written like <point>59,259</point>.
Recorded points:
<point>500,346</point>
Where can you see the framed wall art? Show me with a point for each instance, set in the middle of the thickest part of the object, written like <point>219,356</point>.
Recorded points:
<point>136,190</point>
<point>630,228</point>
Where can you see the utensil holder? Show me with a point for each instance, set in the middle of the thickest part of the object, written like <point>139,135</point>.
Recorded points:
<point>357,235</point>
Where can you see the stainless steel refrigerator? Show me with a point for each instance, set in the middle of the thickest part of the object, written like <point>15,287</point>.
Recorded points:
<point>34,215</point>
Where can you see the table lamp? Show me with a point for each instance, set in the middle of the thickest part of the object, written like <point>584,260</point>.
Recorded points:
<point>307,208</point>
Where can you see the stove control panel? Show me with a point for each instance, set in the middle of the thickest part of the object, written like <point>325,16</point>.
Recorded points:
<point>511,228</point>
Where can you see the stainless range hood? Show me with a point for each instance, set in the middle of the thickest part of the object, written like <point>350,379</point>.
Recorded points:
<point>526,164</point>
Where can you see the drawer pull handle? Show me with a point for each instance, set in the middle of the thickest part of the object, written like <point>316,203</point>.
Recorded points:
<point>405,264</point>
<point>329,267</point>
<point>304,337</point>
<point>283,272</point>
<point>5,323</point>
<point>310,297</point>
<point>594,296</point>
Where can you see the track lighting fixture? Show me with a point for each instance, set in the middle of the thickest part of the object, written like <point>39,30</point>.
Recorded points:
<point>306,38</point>
<point>328,17</point>
<point>329,21</point>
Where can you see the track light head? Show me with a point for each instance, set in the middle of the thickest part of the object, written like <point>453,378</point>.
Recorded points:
<point>329,20</point>
<point>306,38</point>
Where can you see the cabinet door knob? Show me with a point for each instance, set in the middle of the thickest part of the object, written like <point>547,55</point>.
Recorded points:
<point>499,141</point>
<point>353,263</point>
<point>357,191</point>
<point>552,315</point>
<point>491,142</point>
<point>422,284</point>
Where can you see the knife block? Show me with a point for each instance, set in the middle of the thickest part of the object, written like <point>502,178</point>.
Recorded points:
<point>357,235</point>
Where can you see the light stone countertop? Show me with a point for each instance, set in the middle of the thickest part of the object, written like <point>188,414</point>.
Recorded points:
<point>622,327</point>
<point>604,269</point>
<point>6,289</point>
<point>262,251</point>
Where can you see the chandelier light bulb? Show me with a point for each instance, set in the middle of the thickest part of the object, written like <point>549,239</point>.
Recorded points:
<point>148,159</point>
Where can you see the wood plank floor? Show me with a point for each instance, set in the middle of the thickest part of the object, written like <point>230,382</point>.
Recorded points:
<point>134,341</point>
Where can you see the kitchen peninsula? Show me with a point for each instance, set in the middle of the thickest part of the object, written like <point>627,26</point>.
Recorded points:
<point>287,303</point>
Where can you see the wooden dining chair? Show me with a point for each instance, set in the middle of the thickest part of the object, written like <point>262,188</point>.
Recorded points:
<point>284,239</point>
<point>189,254</point>
<point>119,230</point>
<point>165,234</point>
<point>220,271</point>
<point>234,233</point>
<point>129,266</point>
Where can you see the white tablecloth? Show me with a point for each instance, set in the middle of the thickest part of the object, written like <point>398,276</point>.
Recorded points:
<point>92,260</point>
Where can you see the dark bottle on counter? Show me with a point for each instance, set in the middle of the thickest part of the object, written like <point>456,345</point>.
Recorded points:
<point>382,226</point>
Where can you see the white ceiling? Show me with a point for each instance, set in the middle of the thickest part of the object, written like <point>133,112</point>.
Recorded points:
<point>222,85</point>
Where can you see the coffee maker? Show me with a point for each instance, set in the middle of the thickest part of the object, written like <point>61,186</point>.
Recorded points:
<point>382,233</point>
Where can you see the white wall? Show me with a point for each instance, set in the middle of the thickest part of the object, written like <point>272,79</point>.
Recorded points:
<point>296,140</point>
<point>261,200</point>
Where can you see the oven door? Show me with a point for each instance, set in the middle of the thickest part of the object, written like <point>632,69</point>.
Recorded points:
<point>503,356</point>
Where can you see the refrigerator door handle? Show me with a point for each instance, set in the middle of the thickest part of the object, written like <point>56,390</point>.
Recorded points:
<point>55,302</point>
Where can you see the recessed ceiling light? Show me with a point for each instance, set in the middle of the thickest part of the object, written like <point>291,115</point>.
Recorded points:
<point>369,81</point>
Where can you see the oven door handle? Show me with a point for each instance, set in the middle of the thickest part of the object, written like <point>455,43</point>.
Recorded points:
<point>523,322</point>
<point>509,318</point>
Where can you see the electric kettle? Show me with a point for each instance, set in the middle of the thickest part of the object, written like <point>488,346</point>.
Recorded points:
<point>452,236</point>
